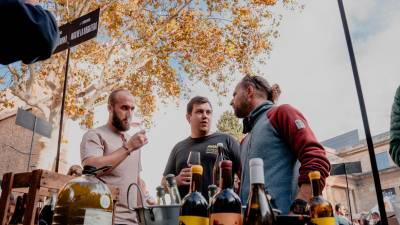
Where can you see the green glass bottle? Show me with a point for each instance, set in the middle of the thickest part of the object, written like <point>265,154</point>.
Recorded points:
<point>84,200</point>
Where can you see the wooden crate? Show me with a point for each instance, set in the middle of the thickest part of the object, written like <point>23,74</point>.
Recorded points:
<point>36,184</point>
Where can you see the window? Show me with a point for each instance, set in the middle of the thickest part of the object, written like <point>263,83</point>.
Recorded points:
<point>389,193</point>
<point>382,160</point>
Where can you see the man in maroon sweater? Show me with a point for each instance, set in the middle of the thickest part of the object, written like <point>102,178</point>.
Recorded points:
<point>281,136</point>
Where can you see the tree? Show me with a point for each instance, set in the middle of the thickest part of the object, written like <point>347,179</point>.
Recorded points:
<point>149,47</point>
<point>230,124</point>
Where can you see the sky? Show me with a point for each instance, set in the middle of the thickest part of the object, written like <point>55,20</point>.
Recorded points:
<point>310,62</point>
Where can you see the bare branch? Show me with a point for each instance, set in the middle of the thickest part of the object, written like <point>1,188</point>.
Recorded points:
<point>31,79</point>
<point>67,7</point>
<point>14,73</point>
<point>105,6</point>
<point>79,9</point>
<point>20,94</point>
<point>91,88</point>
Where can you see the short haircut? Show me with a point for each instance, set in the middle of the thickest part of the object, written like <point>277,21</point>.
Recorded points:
<point>261,85</point>
<point>196,101</point>
<point>113,95</point>
<point>338,206</point>
<point>376,213</point>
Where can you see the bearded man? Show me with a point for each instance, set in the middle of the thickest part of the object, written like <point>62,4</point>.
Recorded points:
<point>111,145</point>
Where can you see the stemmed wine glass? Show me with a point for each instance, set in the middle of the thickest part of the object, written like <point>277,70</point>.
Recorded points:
<point>193,159</point>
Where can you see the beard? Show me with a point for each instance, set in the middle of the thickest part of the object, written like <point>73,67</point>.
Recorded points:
<point>242,110</point>
<point>118,123</point>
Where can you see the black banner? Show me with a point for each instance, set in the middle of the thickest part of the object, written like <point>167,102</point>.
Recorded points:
<point>80,30</point>
<point>349,168</point>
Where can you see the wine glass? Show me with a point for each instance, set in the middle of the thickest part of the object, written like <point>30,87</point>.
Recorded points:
<point>136,124</point>
<point>193,159</point>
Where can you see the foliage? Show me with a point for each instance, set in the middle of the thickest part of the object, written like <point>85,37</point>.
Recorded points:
<point>230,124</point>
<point>149,47</point>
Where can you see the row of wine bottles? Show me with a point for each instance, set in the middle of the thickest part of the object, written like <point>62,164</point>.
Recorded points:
<point>43,216</point>
<point>82,200</point>
<point>174,196</point>
<point>225,206</point>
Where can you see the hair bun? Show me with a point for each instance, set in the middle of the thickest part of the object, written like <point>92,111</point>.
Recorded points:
<point>276,92</point>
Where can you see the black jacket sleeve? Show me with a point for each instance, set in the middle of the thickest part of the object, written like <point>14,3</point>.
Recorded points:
<point>234,154</point>
<point>29,33</point>
<point>394,149</point>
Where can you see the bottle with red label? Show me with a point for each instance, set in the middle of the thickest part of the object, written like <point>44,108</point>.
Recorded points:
<point>226,207</point>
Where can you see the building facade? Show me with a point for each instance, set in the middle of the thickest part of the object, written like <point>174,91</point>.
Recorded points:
<point>360,186</point>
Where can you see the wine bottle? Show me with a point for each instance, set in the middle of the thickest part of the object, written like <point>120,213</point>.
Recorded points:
<point>258,210</point>
<point>173,189</point>
<point>321,211</point>
<point>218,160</point>
<point>160,196</point>
<point>226,207</point>
<point>19,211</point>
<point>84,200</point>
<point>212,190</point>
<point>194,209</point>
<point>46,214</point>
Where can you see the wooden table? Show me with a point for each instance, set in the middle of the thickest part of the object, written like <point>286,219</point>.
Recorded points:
<point>36,184</point>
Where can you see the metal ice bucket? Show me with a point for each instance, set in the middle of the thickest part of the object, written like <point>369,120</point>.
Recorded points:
<point>155,215</point>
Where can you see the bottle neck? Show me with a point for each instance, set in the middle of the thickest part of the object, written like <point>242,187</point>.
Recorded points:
<point>257,174</point>
<point>226,179</point>
<point>172,184</point>
<point>316,190</point>
<point>195,185</point>
<point>220,152</point>
<point>258,186</point>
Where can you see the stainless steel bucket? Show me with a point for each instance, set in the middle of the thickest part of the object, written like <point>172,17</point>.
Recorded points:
<point>155,215</point>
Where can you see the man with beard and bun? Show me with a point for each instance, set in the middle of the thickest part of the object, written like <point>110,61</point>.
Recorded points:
<point>282,138</point>
<point>111,145</point>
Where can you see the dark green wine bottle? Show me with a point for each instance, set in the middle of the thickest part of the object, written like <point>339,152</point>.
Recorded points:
<point>194,209</point>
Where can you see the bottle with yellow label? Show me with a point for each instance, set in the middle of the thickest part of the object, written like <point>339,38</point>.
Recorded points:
<point>194,209</point>
<point>321,211</point>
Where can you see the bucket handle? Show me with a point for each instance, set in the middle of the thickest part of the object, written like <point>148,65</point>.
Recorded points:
<point>141,198</point>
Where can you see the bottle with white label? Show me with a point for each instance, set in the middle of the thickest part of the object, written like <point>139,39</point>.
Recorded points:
<point>84,200</point>
<point>258,210</point>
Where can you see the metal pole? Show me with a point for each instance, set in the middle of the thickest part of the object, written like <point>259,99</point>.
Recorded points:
<point>368,137</point>
<point>348,192</point>
<point>62,111</point>
<point>30,150</point>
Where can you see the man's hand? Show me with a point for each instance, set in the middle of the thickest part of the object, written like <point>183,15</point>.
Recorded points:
<point>184,177</point>
<point>299,207</point>
<point>304,192</point>
<point>137,141</point>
